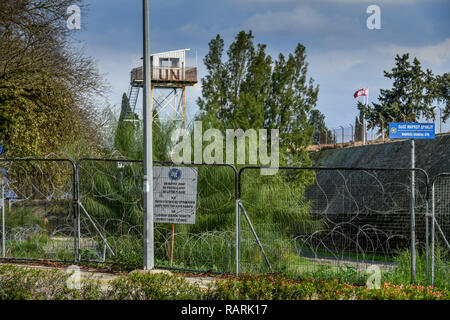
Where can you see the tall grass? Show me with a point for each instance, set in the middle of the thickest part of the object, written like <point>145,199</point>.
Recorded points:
<point>401,274</point>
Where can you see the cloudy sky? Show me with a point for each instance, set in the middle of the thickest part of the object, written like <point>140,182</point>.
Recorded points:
<point>343,54</point>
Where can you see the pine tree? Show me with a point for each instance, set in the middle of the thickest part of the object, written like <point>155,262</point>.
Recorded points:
<point>410,98</point>
<point>442,85</point>
<point>321,133</point>
<point>250,90</point>
<point>126,137</point>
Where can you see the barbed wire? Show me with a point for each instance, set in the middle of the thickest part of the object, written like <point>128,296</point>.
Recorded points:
<point>358,217</point>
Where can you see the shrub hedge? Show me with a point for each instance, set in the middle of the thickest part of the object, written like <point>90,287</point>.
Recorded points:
<point>17,283</point>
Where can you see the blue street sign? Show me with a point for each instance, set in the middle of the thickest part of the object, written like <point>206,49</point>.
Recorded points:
<point>404,130</point>
<point>1,149</point>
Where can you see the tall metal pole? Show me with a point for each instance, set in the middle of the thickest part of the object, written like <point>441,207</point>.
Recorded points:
<point>148,150</point>
<point>3,219</point>
<point>364,124</point>
<point>238,238</point>
<point>433,209</point>
<point>427,244</point>
<point>413,215</point>
<point>364,118</point>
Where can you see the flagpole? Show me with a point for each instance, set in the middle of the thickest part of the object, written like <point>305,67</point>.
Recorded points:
<point>367,105</point>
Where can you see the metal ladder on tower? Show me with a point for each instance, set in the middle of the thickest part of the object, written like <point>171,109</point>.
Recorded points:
<point>133,94</point>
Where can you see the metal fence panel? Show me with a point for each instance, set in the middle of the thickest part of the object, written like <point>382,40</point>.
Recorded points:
<point>111,209</point>
<point>440,229</point>
<point>323,219</point>
<point>299,220</point>
<point>38,209</point>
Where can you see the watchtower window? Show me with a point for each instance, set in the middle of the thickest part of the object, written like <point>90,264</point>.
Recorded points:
<point>169,62</point>
<point>164,62</point>
<point>175,62</point>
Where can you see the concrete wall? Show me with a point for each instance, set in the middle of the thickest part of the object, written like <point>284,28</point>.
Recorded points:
<point>431,155</point>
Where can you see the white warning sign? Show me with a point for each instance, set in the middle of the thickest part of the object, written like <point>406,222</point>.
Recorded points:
<point>175,194</point>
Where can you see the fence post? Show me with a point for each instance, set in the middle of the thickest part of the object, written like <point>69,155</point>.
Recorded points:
<point>433,208</point>
<point>238,238</point>
<point>413,216</point>
<point>75,212</point>
<point>78,221</point>
<point>3,218</point>
<point>427,235</point>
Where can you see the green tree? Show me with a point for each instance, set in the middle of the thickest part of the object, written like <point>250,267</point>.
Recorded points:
<point>250,90</point>
<point>292,98</point>
<point>442,85</point>
<point>321,133</point>
<point>410,98</point>
<point>48,88</point>
<point>127,136</point>
<point>358,129</point>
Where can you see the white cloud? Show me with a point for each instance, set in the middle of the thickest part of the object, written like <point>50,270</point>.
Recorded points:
<point>338,61</point>
<point>192,29</point>
<point>436,54</point>
<point>374,1</point>
<point>285,21</point>
<point>332,1</point>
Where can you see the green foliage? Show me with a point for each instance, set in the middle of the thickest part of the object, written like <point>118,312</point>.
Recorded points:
<point>139,286</point>
<point>24,217</point>
<point>359,125</point>
<point>402,272</point>
<point>18,283</point>
<point>279,211</point>
<point>442,92</point>
<point>278,287</point>
<point>347,274</point>
<point>412,96</point>
<point>30,284</point>
<point>46,85</point>
<point>250,90</point>
<point>128,252</point>
<point>319,128</point>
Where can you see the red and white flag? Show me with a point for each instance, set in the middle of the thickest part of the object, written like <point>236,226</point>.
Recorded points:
<point>361,93</point>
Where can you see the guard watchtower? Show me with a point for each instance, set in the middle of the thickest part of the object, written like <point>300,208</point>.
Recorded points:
<point>170,74</point>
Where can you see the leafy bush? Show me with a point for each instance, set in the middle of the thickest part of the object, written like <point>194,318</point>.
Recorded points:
<point>347,274</point>
<point>139,286</point>
<point>128,252</point>
<point>278,287</point>
<point>20,283</point>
